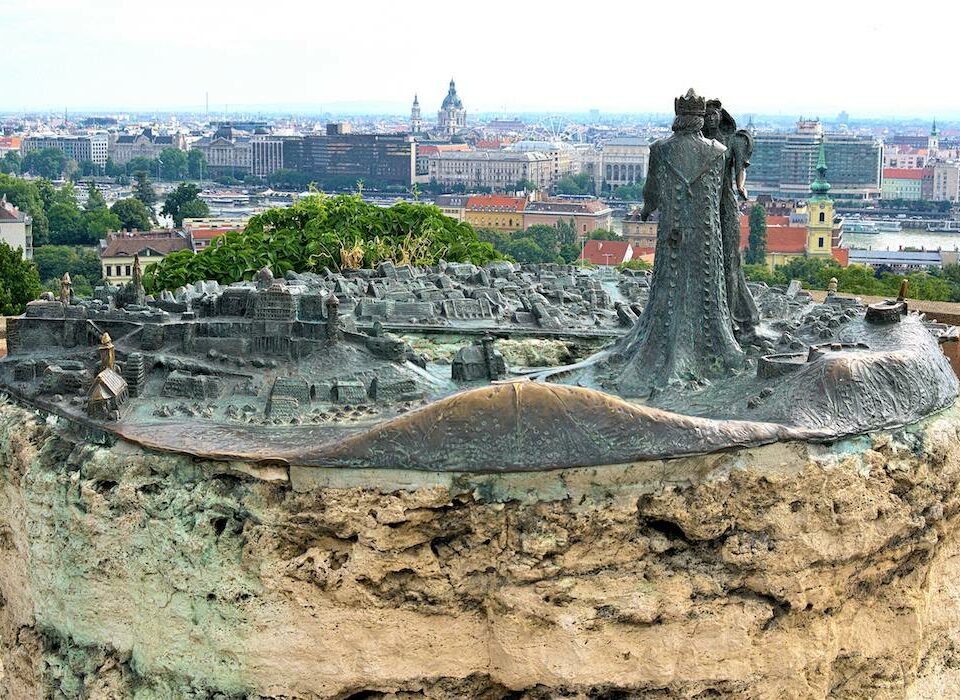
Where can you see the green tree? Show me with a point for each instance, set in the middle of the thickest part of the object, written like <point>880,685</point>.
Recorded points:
<point>635,264</point>
<point>196,164</point>
<point>95,199</point>
<point>526,250</point>
<point>63,214</point>
<point>544,236</point>
<point>10,163</point>
<point>326,232</point>
<point>629,192</point>
<point>53,260</point>
<point>135,165</point>
<point>45,162</point>
<point>602,234</point>
<point>25,195</point>
<point>567,232</point>
<point>144,192</point>
<point>65,223</point>
<point>184,202</point>
<point>574,184</point>
<point>287,179</point>
<point>526,185</point>
<point>19,281</point>
<point>757,242</point>
<point>111,169</point>
<point>88,168</point>
<point>132,214</point>
<point>95,223</point>
<point>174,165</point>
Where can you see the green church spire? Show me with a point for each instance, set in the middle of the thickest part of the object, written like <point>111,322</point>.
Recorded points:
<point>820,187</point>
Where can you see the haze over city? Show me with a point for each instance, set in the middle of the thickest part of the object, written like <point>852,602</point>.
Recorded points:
<point>811,59</point>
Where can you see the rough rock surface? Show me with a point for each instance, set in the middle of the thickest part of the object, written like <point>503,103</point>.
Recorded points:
<point>785,571</point>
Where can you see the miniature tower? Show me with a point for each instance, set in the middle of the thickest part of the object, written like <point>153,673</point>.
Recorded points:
<point>106,350</point>
<point>334,334</point>
<point>66,289</point>
<point>933,142</point>
<point>416,123</point>
<point>494,368</point>
<point>139,295</point>
<point>134,372</point>
<point>820,209</point>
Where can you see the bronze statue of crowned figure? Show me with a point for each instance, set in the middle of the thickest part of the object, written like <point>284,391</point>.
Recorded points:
<point>698,296</point>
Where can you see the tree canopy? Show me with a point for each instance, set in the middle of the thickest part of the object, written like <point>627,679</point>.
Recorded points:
<point>19,281</point>
<point>53,260</point>
<point>45,162</point>
<point>815,273</point>
<point>574,184</point>
<point>196,164</point>
<point>10,163</point>
<point>325,232</point>
<point>174,164</point>
<point>757,243</point>
<point>540,243</point>
<point>132,214</point>
<point>25,195</point>
<point>184,202</point>
<point>143,190</point>
<point>95,199</point>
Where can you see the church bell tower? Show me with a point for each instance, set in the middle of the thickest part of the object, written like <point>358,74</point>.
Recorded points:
<point>820,211</point>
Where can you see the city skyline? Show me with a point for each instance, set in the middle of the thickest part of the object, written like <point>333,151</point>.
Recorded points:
<point>504,58</point>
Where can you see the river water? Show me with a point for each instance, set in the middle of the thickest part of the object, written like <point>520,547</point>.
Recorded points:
<point>907,238</point>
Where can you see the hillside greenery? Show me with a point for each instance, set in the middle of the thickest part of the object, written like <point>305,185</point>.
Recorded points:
<point>321,232</point>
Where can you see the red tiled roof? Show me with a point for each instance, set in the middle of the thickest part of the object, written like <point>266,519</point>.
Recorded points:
<point>903,173</point>
<point>566,206</point>
<point>780,239</point>
<point>606,252</point>
<point>128,246</point>
<point>841,255</point>
<point>496,201</point>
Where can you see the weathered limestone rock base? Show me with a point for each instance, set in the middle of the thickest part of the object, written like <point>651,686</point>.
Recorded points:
<point>789,570</point>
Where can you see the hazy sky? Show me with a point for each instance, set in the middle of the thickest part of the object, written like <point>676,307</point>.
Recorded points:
<point>815,58</point>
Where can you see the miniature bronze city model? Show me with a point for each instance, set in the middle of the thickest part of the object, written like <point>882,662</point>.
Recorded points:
<point>317,370</point>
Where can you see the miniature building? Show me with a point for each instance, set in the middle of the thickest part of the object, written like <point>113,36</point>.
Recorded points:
<point>287,396</point>
<point>403,390</point>
<point>135,374</point>
<point>107,395</point>
<point>25,371</point>
<point>349,391</point>
<point>480,361</point>
<point>275,310</point>
<point>334,334</point>
<point>282,407</point>
<point>198,387</point>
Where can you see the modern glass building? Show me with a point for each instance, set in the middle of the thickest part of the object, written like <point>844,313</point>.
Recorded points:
<point>784,164</point>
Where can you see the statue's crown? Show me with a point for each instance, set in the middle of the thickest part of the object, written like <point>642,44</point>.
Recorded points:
<point>691,103</point>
